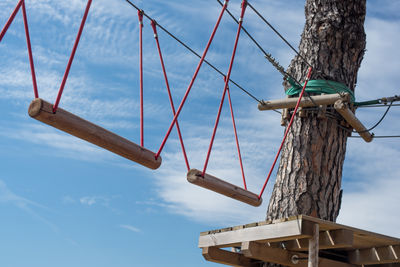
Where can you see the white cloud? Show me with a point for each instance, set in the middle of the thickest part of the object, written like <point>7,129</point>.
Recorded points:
<point>371,198</point>
<point>206,206</point>
<point>110,24</point>
<point>92,200</point>
<point>68,200</point>
<point>130,228</point>
<point>9,197</point>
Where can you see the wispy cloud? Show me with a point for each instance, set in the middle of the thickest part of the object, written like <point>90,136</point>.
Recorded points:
<point>130,228</point>
<point>7,196</point>
<point>110,43</point>
<point>92,200</point>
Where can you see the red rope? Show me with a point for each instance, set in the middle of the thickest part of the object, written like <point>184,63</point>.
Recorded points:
<point>237,139</point>
<point>154,26</point>
<point>192,81</point>
<point>140,15</point>
<point>286,132</point>
<point>11,19</point>
<point>244,5</point>
<point>71,58</point>
<point>28,43</point>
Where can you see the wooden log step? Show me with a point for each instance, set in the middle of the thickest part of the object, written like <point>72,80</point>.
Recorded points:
<point>222,187</point>
<point>83,129</point>
<point>305,101</point>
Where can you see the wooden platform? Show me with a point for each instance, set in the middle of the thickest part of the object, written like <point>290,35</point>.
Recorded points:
<point>299,241</point>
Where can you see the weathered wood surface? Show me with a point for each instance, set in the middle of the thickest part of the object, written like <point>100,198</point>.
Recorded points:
<point>83,129</point>
<point>263,252</point>
<point>222,187</point>
<point>269,232</point>
<point>375,255</point>
<point>329,239</point>
<point>305,101</point>
<point>280,240</point>
<point>218,255</point>
<point>313,247</point>
<point>344,110</point>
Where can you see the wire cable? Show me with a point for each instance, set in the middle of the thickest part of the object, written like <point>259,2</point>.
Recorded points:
<point>379,122</point>
<point>269,57</point>
<point>379,136</point>
<point>280,35</point>
<point>195,53</point>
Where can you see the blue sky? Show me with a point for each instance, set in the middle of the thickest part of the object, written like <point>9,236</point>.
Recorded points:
<point>64,202</point>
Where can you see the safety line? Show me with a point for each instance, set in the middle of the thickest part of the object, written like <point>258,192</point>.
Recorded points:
<point>28,43</point>
<point>10,19</point>
<point>287,131</point>
<point>20,4</point>
<point>380,120</point>
<point>272,60</point>
<point>280,35</point>
<point>192,81</point>
<point>71,58</point>
<point>379,136</point>
<point>154,26</point>
<point>244,5</point>
<point>236,138</point>
<point>195,53</point>
<point>140,16</point>
<point>379,106</point>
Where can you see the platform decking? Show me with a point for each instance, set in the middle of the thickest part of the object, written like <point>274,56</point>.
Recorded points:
<point>299,241</point>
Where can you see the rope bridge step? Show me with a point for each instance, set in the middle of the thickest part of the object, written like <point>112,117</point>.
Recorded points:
<point>83,129</point>
<point>222,187</point>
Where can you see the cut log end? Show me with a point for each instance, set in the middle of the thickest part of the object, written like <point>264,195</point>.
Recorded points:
<point>35,107</point>
<point>67,122</point>
<point>348,115</point>
<point>222,187</point>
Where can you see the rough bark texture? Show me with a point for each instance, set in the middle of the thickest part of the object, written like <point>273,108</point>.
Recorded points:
<point>310,170</point>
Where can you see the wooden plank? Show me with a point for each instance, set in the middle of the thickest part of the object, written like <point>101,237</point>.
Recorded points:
<point>305,101</point>
<point>349,116</point>
<point>380,255</point>
<point>76,126</point>
<point>222,187</point>
<point>385,265</point>
<point>362,238</point>
<point>340,238</point>
<point>221,256</point>
<point>270,232</point>
<point>284,257</point>
<point>313,247</point>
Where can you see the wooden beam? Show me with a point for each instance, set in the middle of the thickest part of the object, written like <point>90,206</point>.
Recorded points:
<point>270,232</point>
<point>222,187</point>
<point>313,247</point>
<point>266,253</point>
<point>379,255</point>
<point>76,126</point>
<point>341,238</point>
<point>385,265</point>
<point>305,101</point>
<point>221,256</point>
<point>284,257</point>
<point>349,116</point>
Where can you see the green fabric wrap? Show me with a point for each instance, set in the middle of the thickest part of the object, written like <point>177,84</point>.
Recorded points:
<point>319,87</point>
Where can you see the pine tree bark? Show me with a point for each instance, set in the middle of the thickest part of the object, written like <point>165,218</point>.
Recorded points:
<point>310,170</point>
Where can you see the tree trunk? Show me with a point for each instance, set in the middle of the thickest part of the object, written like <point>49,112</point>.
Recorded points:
<point>310,170</point>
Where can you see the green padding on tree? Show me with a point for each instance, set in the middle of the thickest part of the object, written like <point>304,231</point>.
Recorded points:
<point>319,87</point>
